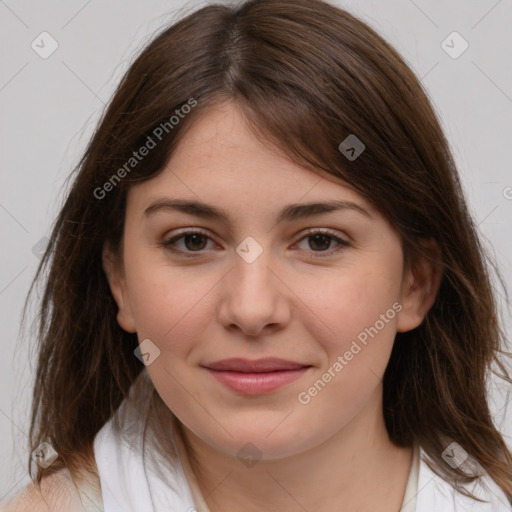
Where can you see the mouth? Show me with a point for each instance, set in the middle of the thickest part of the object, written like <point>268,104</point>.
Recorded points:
<point>255,377</point>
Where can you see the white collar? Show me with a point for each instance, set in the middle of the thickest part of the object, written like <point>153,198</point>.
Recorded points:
<point>436,494</point>
<point>129,481</point>
<point>134,477</point>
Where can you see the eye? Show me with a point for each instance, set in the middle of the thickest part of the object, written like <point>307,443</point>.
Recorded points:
<point>193,241</point>
<point>321,240</point>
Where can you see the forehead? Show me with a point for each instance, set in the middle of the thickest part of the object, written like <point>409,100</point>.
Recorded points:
<point>219,160</point>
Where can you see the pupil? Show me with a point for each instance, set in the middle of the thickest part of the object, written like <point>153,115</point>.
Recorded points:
<point>195,238</point>
<point>319,238</point>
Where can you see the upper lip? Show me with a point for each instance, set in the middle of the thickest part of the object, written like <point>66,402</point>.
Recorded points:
<point>268,364</point>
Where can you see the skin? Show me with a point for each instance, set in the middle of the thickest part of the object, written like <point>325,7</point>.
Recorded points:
<point>333,453</point>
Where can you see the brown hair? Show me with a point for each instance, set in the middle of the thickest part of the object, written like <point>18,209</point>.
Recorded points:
<point>306,75</point>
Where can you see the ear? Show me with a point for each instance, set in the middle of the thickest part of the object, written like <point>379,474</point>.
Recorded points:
<point>420,285</point>
<point>117,282</point>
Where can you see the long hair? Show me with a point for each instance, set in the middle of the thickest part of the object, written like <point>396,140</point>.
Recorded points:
<point>306,75</point>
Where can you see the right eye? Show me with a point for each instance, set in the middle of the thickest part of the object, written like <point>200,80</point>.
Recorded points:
<point>193,241</point>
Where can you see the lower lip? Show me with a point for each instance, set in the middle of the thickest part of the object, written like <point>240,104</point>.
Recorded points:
<point>257,383</point>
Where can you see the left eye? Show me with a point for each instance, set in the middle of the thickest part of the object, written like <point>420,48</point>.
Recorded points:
<point>196,241</point>
<point>320,241</point>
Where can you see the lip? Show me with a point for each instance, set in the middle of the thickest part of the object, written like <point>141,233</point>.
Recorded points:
<point>242,365</point>
<point>254,377</point>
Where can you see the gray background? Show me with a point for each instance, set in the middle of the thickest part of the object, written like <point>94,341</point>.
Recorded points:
<point>50,106</point>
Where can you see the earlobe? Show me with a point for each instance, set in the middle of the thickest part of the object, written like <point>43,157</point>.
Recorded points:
<point>117,284</point>
<point>419,289</point>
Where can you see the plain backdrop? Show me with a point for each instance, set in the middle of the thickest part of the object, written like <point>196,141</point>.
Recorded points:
<point>49,107</point>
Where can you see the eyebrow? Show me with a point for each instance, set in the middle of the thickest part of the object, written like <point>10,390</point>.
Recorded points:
<point>288,213</point>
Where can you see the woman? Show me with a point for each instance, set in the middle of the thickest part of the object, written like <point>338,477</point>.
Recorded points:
<point>265,290</point>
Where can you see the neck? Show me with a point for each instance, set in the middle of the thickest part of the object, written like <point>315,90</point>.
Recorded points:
<point>356,469</point>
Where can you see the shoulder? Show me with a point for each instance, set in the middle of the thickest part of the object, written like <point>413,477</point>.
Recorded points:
<point>493,494</point>
<point>435,493</point>
<point>56,493</point>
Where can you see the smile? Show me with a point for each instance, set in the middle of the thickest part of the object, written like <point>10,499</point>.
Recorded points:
<point>255,377</point>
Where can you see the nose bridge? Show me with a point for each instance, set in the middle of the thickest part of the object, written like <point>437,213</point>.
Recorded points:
<point>252,273</point>
<point>252,297</point>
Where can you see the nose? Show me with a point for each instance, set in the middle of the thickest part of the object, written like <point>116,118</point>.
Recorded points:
<point>254,297</point>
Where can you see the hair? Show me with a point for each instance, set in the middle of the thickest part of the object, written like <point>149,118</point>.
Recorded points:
<point>305,74</point>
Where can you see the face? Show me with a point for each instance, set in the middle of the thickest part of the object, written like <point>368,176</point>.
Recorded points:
<point>323,291</point>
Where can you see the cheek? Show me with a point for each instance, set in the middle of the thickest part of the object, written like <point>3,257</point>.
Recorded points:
<point>172,309</point>
<point>349,304</point>
<point>170,306</point>
<point>354,319</point>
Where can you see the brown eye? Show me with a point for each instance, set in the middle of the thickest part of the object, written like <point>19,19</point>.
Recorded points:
<point>193,241</point>
<point>320,244</point>
<point>187,243</point>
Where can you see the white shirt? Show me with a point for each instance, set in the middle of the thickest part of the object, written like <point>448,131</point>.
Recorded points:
<point>135,479</point>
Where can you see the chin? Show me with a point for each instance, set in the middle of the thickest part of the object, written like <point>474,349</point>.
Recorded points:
<point>259,441</point>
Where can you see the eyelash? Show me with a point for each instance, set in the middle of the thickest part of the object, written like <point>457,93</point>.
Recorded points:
<point>315,254</point>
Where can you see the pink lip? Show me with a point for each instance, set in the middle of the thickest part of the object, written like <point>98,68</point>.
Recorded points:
<point>255,377</point>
